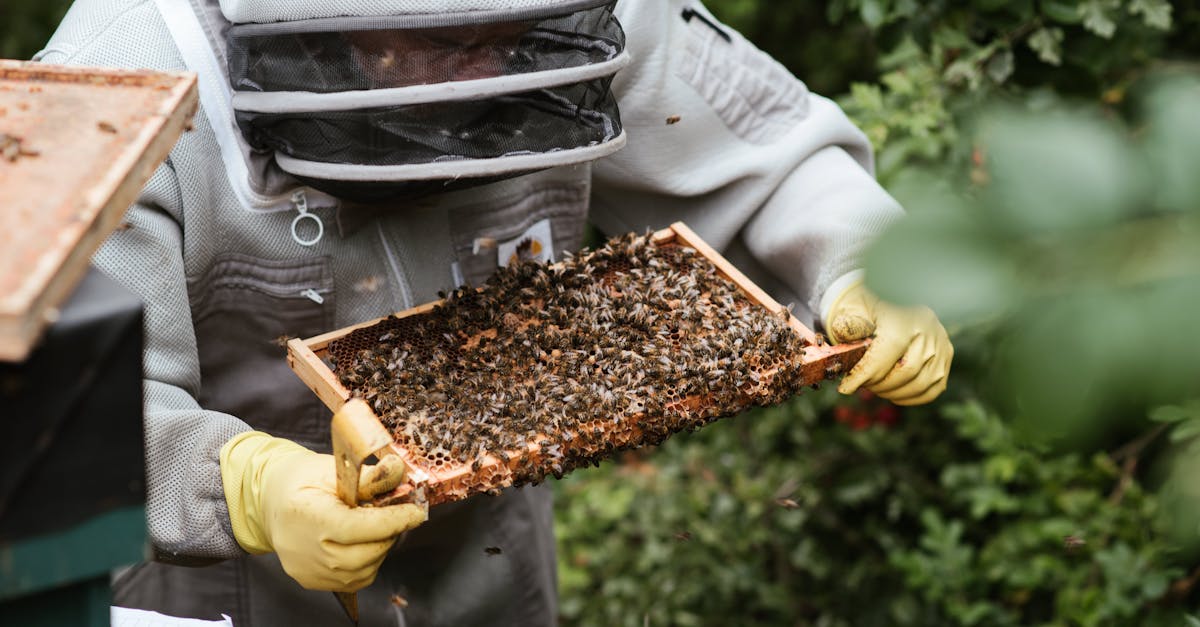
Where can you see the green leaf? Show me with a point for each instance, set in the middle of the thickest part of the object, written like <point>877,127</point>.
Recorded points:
<point>1173,141</point>
<point>963,72</point>
<point>1055,172</point>
<point>951,36</point>
<point>938,258</point>
<point>1000,65</point>
<point>906,8</point>
<point>1062,12</point>
<point>1185,431</point>
<point>1155,13</point>
<point>873,12</point>
<point>899,82</point>
<point>1097,16</point>
<point>1001,468</point>
<point>1047,43</point>
<point>1176,413</point>
<point>1066,361</point>
<point>835,11</point>
<point>989,5</point>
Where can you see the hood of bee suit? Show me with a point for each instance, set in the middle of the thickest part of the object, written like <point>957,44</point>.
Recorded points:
<point>377,101</point>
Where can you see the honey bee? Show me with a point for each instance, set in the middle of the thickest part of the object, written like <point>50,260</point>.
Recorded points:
<point>387,60</point>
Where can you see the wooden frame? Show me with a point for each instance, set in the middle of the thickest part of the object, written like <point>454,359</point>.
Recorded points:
<point>76,147</point>
<point>306,358</point>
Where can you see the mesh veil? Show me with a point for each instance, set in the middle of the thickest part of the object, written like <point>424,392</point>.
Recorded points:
<point>403,91</point>
<point>353,54</point>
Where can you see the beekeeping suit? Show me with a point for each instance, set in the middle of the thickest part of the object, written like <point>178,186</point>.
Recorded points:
<point>334,176</point>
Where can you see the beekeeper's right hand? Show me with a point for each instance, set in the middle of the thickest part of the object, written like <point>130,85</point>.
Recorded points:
<point>282,497</point>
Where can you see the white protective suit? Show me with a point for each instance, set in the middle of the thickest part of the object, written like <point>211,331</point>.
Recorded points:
<point>774,176</point>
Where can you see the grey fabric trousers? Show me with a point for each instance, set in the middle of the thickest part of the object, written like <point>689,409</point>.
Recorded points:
<point>442,571</point>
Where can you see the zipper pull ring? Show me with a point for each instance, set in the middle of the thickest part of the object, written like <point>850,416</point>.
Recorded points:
<point>300,202</point>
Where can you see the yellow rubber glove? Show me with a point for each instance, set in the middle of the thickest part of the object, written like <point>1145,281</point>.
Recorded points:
<point>282,497</point>
<point>909,360</point>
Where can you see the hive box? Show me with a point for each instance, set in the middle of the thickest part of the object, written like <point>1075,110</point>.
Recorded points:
<point>71,433</point>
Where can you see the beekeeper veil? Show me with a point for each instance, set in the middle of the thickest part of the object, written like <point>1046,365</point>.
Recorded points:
<point>379,99</point>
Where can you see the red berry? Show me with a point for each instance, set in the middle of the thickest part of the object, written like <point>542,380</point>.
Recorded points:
<point>887,415</point>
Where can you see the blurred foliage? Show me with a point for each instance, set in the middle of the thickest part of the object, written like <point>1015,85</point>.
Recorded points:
<point>25,25</point>
<point>1077,245</point>
<point>1080,240</point>
<point>1048,165</point>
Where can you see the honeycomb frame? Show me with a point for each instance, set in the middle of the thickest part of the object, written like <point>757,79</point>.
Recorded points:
<point>444,480</point>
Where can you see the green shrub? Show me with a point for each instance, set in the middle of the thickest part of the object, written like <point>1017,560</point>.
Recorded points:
<point>789,516</point>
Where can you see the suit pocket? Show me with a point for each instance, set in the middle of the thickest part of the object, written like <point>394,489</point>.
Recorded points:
<point>756,97</point>
<point>542,223</point>
<point>244,310</point>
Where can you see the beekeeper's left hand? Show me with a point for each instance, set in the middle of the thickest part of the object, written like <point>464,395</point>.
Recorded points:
<point>908,361</point>
<point>282,497</point>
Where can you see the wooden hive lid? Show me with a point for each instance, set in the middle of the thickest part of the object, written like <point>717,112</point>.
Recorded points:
<point>76,147</point>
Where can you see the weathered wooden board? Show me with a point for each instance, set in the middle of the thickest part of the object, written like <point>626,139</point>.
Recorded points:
<point>76,147</point>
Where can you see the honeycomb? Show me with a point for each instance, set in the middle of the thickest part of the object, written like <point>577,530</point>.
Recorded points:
<point>547,368</point>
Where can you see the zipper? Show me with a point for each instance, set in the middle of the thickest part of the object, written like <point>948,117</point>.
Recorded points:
<point>277,290</point>
<point>313,295</point>
<point>300,204</point>
<point>394,263</point>
<point>690,13</point>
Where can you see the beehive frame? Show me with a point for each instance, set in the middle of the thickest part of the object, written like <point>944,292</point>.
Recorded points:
<point>307,359</point>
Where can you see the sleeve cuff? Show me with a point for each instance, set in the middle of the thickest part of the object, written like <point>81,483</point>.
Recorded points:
<point>836,289</point>
<point>242,458</point>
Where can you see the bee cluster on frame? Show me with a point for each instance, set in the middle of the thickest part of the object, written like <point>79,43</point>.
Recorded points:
<point>549,367</point>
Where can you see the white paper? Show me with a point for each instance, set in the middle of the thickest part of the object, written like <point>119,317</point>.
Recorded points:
<point>125,617</point>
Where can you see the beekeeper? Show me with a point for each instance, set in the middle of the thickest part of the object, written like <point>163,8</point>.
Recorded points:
<point>353,158</point>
